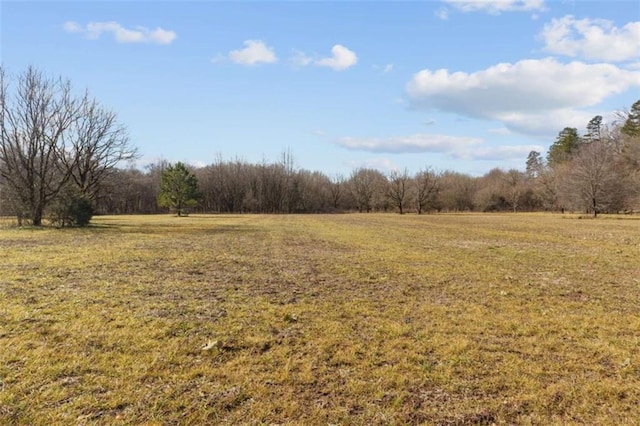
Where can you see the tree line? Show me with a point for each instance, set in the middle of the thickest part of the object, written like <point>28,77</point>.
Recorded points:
<point>62,158</point>
<point>595,172</point>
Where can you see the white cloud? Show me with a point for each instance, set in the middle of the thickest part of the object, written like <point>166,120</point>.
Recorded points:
<point>384,69</point>
<point>442,13</point>
<point>417,143</point>
<point>93,31</point>
<point>500,131</point>
<point>545,123</point>
<point>144,162</point>
<point>71,27</point>
<point>341,59</point>
<point>498,153</point>
<point>300,59</point>
<point>255,52</point>
<point>219,58</point>
<point>198,164</point>
<point>381,164</point>
<point>592,39</point>
<point>495,7</point>
<point>457,147</point>
<point>527,96</point>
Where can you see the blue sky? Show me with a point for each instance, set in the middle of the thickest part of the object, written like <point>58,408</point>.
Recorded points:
<point>456,84</point>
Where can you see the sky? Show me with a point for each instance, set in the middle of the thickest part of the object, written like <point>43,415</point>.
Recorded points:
<point>449,85</point>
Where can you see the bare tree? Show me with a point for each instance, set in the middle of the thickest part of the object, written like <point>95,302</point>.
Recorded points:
<point>271,187</point>
<point>427,184</point>
<point>592,179</point>
<point>458,191</point>
<point>515,183</point>
<point>207,177</point>
<point>130,191</point>
<point>224,185</point>
<point>397,189</point>
<point>292,182</point>
<point>364,185</point>
<point>54,144</point>
<point>336,190</point>
<point>234,189</point>
<point>97,144</point>
<point>32,123</point>
<point>548,187</point>
<point>10,203</point>
<point>490,194</point>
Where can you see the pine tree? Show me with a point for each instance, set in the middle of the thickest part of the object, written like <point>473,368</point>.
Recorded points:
<point>566,145</point>
<point>631,126</point>
<point>179,188</point>
<point>534,164</point>
<point>594,129</point>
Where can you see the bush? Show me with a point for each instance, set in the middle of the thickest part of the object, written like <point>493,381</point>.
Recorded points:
<point>72,210</point>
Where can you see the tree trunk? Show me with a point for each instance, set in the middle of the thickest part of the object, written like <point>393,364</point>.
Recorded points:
<point>36,216</point>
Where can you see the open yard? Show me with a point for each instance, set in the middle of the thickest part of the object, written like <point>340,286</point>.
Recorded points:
<point>353,319</point>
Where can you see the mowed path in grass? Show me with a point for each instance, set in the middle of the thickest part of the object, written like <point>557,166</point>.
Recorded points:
<point>322,319</point>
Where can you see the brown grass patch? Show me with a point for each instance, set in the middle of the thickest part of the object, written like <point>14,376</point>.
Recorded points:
<point>343,319</point>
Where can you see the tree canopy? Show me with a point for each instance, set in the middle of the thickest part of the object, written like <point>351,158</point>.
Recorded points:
<point>631,126</point>
<point>53,142</point>
<point>179,189</point>
<point>567,143</point>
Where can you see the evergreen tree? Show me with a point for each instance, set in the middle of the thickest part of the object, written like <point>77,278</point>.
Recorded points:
<point>631,126</point>
<point>534,164</point>
<point>594,129</point>
<point>631,140</point>
<point>566,145</point>
<point>179,188</point>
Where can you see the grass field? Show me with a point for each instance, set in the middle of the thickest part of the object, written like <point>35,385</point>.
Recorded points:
<point>350,319</point>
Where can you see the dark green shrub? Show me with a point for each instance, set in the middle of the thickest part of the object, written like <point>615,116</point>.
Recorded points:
<point>72,210</point>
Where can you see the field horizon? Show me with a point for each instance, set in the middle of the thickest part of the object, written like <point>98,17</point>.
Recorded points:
<point>443,319</point>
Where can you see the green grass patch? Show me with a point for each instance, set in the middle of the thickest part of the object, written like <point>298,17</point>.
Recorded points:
<point>322,319</point>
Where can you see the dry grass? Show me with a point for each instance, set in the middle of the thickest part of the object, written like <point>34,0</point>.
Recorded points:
<point>344,319</point>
